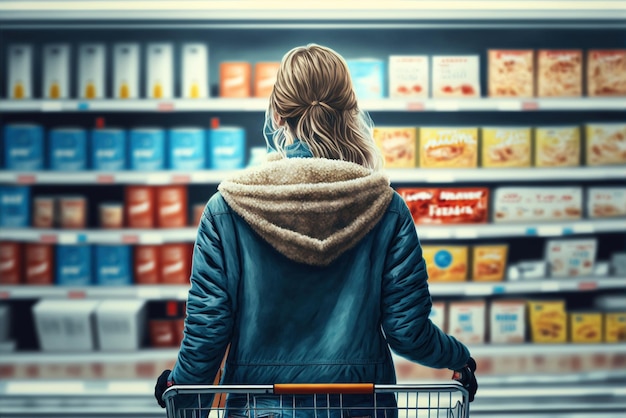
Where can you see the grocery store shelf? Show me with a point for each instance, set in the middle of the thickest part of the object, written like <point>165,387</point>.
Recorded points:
<point>146,292</point>
<point>96,236</point>
<point>117,177</point>
<point>35,357</point>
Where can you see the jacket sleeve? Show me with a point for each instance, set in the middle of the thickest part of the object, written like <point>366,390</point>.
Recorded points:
<point>407,304</point>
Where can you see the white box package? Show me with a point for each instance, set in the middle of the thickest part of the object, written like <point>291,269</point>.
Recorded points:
<point>20,80</point>
<point>160,71</point>
<point>126,71</point>
<point>195,71</point>
<point>66,325</point>
<point>56,71</point>
<point>408,76</point>
<point>507,321</point>
<point>521,204</point>
<point>121,324</point>
<point>466,321</point>
<point>5,322</point>
<point>571,258</point>
<point>438,315</point>
<point>91,65</point>
<point>456,76</point>
<point>606,202</point>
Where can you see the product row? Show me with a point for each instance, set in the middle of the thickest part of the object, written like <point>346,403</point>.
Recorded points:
<point>100,265</point>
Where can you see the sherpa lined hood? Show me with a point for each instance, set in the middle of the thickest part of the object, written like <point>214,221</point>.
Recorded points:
<point>311,210</point>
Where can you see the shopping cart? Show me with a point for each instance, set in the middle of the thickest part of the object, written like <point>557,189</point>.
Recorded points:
<point>449,400</point>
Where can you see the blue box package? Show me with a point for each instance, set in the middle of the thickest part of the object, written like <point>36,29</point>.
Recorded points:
<point>73,265</point>
<point>368,78</point>
<point>15,206</point>
<point>187,149</point>
<point>113,265</point>
<point>108,149</point>
<point>227,148</point>
<point>147,149</point>
<point>23,147</point>
<point>68,149</point>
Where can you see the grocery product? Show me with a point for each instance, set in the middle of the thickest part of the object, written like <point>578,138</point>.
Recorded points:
<point>530,270</point>
<point>120,324</point>
<point>187,148</point>
<point>448,263</point>
<point>147,149</point>
<point>466,321</point>
<point>489,262</point>
<point>523,204</point>
<point>171,204</point>
<point>368,77</point>
<point>15,206</point>
<point>160,70</point>
<point>585,327</point>
<point>108,149</point>
<point>447,205</point>
<point>227,148</point>
<point>112,265</point>
<point>198,210</point>
<point>548,321</point>
<point>126,71</point>
<point>140,206</point>
<point>73,265</point>
<point>557,146</point>
<point>507,321</point>
<point>265,78</point>
<point>448,147</point>
<point>68,149</point>
<point>56,73</point>
<point>38,262</point>
<point>65,325</point>
<point>456,76</point>
<point>111,215</point>
<point>20,71</point>
<point>10,263</point>
<point>5,322</point>
<point>235,79</point>
<point>438,315</point>
<point>506,147</point>
<point>91,67</point>
<point>606,202</point>
<point>511,72</point>
<point>146,265</point>
<point>606,72</point>
<point>195,70</point>
<point>73,212</point>
<point>44,212</point>
<point>398,145</point>
<point>162,333</point>
<point>408,76</point>
<point>559,73</point>
<point>615,327</point>
<point>175,262</point>
<point>23,147</point>
<point>605,143</point>
<point>571,258</point>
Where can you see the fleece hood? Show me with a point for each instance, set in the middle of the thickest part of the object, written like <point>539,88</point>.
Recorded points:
<point>311,210</point>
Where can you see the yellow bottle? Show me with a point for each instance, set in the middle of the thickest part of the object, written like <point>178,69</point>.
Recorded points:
<point>90,91</point>
<point>124,91</point>
<point>157,91</point>
<point>195,91</point>
<point>18,91</point>
<point>55,91</point>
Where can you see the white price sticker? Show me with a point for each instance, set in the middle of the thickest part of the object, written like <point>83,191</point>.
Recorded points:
<point>51,106</point>
<point>183,294</point>
<point>129,388</point>
<point>442,177</point>
<point>549,287</point>
<point>447,106</point>
<point>435,233</point>
<point>150,238</point>
<point>549,231</point>
<point>44,388</point>
<point>582,228</point>
<point>67,238</point>
<point>148,292</point>
<point>478,289</point>
<point>509,105</point>
<point>467,233</point>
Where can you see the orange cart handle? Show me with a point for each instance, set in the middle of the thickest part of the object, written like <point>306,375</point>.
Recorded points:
<point>323,388</point>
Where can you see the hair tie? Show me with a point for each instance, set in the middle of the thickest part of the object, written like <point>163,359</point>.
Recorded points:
<point>318,103</point>
<point>314,103</point>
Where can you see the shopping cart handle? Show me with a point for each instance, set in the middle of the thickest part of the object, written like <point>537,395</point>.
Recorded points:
<point>316,388</point>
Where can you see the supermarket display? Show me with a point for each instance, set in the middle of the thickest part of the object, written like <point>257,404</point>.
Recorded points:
<point>446,263</point>
<point>73,265</point>
<point>511,73</point>
<point>548,321</point>
<point>585,327</point>
<point>264,78</point>
<point>398,145</point>
<point>112,264</point>
<point>187,149</point>
<point>160,70</point>
<point>64,326</point>
<point>195,70</point>
<point>528,204</point>
<point>506,147</point>
<point>108,149</point>
<point>467,321</point>
<point>126,71</point>
<point>68,149</point>
<point>409,76</point>
<point>559,73</point>
<point>235,79</point>
<point>489,262</point>
<point>605,143</point>
<point>456,76</point>
<point>91,71</point>
<point>606,72</point>
<point>120,325</point>
<point>20,70</point>
<point>507,321</point>
<point>367,78</point>
<point>448,147</point>
<point>10,263</point>
<point>23,147</point>
<point>557,146</point>
<point>571,258</point>
<point>56,74</point>
<point>447,205</point>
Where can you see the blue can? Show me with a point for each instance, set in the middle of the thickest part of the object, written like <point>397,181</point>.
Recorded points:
<point>68,149</point>
<point>187,149</point>
<point>15,206</point>
<point>113,265</point>
<point>108,149</point>
<point>23,147</point>
<point>147,149</point>
<point>73,265</point>
<point>227,148</point>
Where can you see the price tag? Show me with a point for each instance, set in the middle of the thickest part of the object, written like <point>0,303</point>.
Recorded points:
<point>82,106</point>
<point>165,106</point>
<point>48,238</point>
<point>550,287</point>
<point>442,177</point>
<point>478,289</point>
<point>415,106</point>
<point>549,231</point>
<point>181,179</point>
<point>436,233</point>
<point>67,238</point>
<point>148,292</point>
<point>587,285</point>
<point>510,105</point>
<point>130,239</point>
<point>76,294</point>
<point>105,178</point>
<point>447,106</point>
<point>498,290</point>
<point>530,105</point>
<point>51,106</point>
<point>582,228</point>
<point>150,238</point>
<point>467,233</point>
<point>531,231</point>
<point>157,178</point>
<point>29,387</point>
<point>26,179</point>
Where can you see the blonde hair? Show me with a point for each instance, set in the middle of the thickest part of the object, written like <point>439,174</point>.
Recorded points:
<point>313,101</point>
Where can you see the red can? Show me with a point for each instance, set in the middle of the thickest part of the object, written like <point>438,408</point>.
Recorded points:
<point>10,262</point>
<point>43,212</point>
<point>146,265</point>
<point>172,206</point>
<point>38,261</point>
<point>140,206</point>
<point>162,333</point>
<point>175,263</point>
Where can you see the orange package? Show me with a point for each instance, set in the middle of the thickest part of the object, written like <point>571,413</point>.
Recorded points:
<point>560,73</point>
<point>606,72</point>
<point>171,203</point>
<point>10,262</point>
<point>264,78</point>
<point>38,259</point>
<point>140,206</point>
<point>447,205</point>
<point>235,79</point>
<point>448,147</point>
<point>175,263</point>
<point>489,262</point>
<point>447,263</point>
<point>146,264</point>
<point>511,73</point>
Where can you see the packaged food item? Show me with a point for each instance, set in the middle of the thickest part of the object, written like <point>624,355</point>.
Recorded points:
<point>571,258</point>
<point>140,207</point>
<point>68,149</point>
<point>160,70</point>
<point>548,321</point>
<point>531,270</point>
<point>398,145</point>
<point>23,147</point>
<point>198,210</point>
<point>606,72</point>
<point>368,77</point>
<point>126,71</point>
<point>606,202</point>
<point>467,321</point>
<point>511,72</point>
<point>56,74</point>
<point>111,215</point>
<point>506,147</point>
<point>265,78</point>
<point>15,206</point>
<point>20,73</point>
<point>523,204</point>
<point>147,149</point>
<point>73,212</point>
<point>557,146</point>
<point>585,327</point>
<point>195,70</point>
<point>65,325</point>
<point>108,149</point>
<point>447,205</point>
<point>456,76</point>
<point>113,265</point>
<point>448,147</point>
<point>162,333</point>
<point>560,73</point>
<point>73,265</point>
<point>615,327</point>
<point>235,79</point>
<point>187,148</point>
<point>147,269</point>
<point>10,263</point>
<point>171,202</point>
<point>489,262</point>
<point>449,263</point>
<point>438,315</point>
<point>408,76</point>
<point>175,263</point>
<point>606,143</point>
<point>38,262</point>
<point>44,213</point>
<point>507,323</point>
<point>227,147</point>
<point>120,324</point>
<point>91,67</point>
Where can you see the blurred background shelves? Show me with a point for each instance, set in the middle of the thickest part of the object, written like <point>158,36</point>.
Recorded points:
<point>99,236</point>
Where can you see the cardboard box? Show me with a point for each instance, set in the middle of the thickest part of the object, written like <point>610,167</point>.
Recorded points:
<point>56,71</point>
<point>467,321</point>
<point>68,149</point>
<point>615,327</point>
<point>111,215</point>
<point>44,212</point>
<point>438,315</point>
<point>121,324</point>
<point>187,149</point>
<point>195,71</point>
<point>605,143</point>
<point>524,204</point>
<point>368,78</point>
<point>235,79</point>
<point>548,321</point>
<point>560,73</point>
<point>73,212</point>
<point>489,262</point>
<point>73,265</point>
<point>108,149</point>
<point>456,76</point>
<point>20,71</point>
<point>606,202</point>
<point>126,71</point>
<point>585,327</point>
<point>38,262</point>
<point>171,204</point>
<point>146,266</point>
<point>507,321</point>
<point>448,263</point>
<point>506,147</point>
<point>264,78</point>
<point>448,147</point>
<point>408,76</point>
<point>557,146</point>
<point>511,72</point>
<point>147,149</point>
<point>162,333</point>
<point>140,206</point>
<point>23,147</point>
<point>227,148</point>
<point>160,71</point>
<point>112,264</point>
<point>571,258</point>
<point>606,72</point>
<point>175,260</point>
<point>5,322</point>
<point>447,205</point>
<point>10,263</point>
<point>91,70</point>
<point>398,146</point>
<point>15,206</point>
<point>66,325</point>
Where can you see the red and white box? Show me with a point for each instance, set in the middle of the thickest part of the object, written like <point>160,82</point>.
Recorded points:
<point>38,264</point>
<point>175,263</point>
<point>560,73</point>
<point>162,333</point>
<point>408,76</point>
<point>571,258</point>
<point>606,202</point>
<point>507,321</point>
<point>171,203</point>
<point>522,204</point>
<point>140,207</point>
<point>73,211</point>
<point>146,264</point>
<point>467,321</point>
<point>456,76</point>
<point>447,205</point>
<point>10,263</point>
<point>43,212</point>
<point>606,72</point>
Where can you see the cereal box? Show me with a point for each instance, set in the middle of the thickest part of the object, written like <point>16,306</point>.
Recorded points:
<point>557,146</point>
<point>615,327</point>
<point>467,321</point>
<point>447,205</point>
<point>398,145</point>
<point>585,327</point>
<point>489,262</point>
<point>507,321</point>
<point>523,204</point>
<point>548,321</point>
<point>448,147</point>
<point>606,202</point>
<point>605,143</point>
<point>448,263</point>
<point>438,315</point>
<point>235,79</point>
<point>456,76</point>
<point>408,76</point>
<point>265,78</point>
<point>559,73</point>
<point>571,258</point>
<point>511,73</point>
<point>606,72</point>
<point>506,147</point>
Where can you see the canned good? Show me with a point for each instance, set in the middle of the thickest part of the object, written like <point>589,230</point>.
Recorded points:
<point>44,212</point>
<point>73,212</point>
<point>140,206</point>
<point>111,215</point>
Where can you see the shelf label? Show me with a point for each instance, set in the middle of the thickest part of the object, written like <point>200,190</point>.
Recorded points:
<point>129,388</point>
<point>165,106</point>
<point>478,289</point>
<point>443,177</point>
<point>549,287</point>
<point>447,106</point>
<point>467,233</point>
<point>44,388</point>
<point>105,178</point>
<point>498,290</point>
<point>76,294</point>
<point>587,285</point>
<point>415,106</point>
<point>568,231</point>
<point>130,239</point>
<point>157,178</point>
<point>549,231</point>
<point>82,106</point>
<point>51,106</point>
<point>148,292</point>
<point>530,105</point>
<point>510,105</point>
<point>150,238</point>
<point>48,238</point>
<point>66,238</point>
<point>181,178</point>
<point>5,295</point>
<point>183,295</point>
<point>531,231</point>
<point>26,179</point>
<point>437,234</point>
<point>582,228</point>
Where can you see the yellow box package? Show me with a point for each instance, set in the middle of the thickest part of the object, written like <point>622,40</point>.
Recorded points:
<point>447,263</point>
<point>615,327</point>
<point>605,143</point>
<point>557,146</point>
<point>398,146</point>
<point>585,327</point>
<point>489,262</point>
<point>548,321</point>
<point>506,147</point>
<point>448,147</point>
